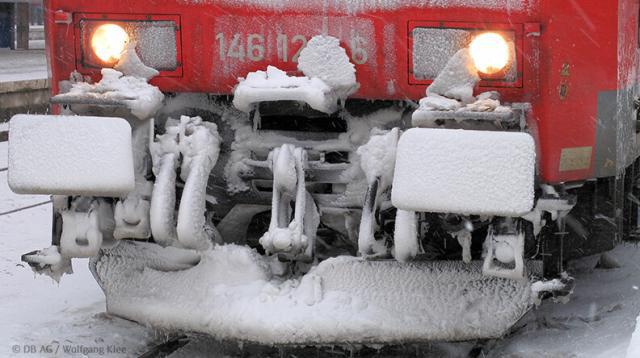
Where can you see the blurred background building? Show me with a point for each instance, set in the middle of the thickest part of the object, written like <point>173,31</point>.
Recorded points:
<point>21,24</point>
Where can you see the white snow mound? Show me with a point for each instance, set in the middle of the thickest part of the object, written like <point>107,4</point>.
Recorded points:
<point>70,155</point>
<point>324,58</point>
<point>329,77</point>
<point>436,102</point>
<point>130,64</point>
<point>464,171</point>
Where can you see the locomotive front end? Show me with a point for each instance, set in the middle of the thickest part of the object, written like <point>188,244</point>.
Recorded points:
<point>306,173</point>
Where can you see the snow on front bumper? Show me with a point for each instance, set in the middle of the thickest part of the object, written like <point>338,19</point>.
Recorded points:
<point>231,292</point>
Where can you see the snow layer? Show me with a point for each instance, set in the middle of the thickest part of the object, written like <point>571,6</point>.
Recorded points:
<point>70,155</point>
<point>457,79</point>
<point>344,299</point>
<point>275,85</point>
<point>464,171</point>
<point>597,322</point>
<point>142,99</point>
<point>23,66</point>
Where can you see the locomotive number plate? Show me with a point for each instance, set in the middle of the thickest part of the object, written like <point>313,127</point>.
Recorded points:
<point>247,41</point>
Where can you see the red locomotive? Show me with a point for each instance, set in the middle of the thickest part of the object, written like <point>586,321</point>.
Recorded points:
<point>502,132</point>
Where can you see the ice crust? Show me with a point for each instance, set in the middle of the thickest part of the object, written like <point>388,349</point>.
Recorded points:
<point>344,299</point>
<point>328,77</point>
<point>141,98</point>
<point>464,171</point>
<point>70,155</point>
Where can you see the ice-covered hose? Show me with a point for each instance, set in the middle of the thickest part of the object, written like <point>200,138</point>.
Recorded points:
<point>165,153</point>
<point>200,146</point>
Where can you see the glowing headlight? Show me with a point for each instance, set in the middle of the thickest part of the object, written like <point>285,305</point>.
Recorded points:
<point>108,41</point>
<point>490,52</point>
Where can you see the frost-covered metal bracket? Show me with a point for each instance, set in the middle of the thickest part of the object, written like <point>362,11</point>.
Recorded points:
<point>291,237</point>
<point>430,118</point>
<point>507,249</point>
<point>72,99</point>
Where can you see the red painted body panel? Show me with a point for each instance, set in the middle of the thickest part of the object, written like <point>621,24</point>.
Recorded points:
<point>582,35</point>
<point>549,34</point>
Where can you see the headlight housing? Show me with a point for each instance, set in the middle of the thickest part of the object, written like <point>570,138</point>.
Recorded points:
<point>431,45</point>
<point>103,38</point>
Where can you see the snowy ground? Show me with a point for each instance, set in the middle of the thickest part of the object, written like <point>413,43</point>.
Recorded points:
<point>597,322</point>
<point>39,313</point>
<point>22,65</point>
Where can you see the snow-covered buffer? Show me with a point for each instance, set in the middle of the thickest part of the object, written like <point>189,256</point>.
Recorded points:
<point>328,78</point>
<point>464,171</point>
<point>70,155</point>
